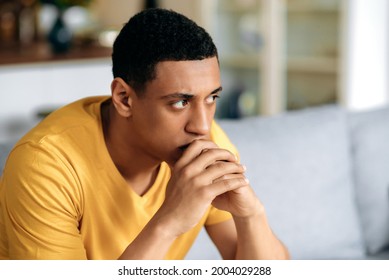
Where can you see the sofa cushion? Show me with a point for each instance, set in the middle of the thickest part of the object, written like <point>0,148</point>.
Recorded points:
<point>299,166</point>
<point>5,148</point>
<point>370,146</point>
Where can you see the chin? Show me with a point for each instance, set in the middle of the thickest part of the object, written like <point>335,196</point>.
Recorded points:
<point>172,160</point>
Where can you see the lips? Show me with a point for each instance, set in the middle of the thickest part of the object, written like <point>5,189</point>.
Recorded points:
<point>184,147</point>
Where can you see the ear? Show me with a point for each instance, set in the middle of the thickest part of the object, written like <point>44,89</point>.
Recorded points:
<point>122,95</point>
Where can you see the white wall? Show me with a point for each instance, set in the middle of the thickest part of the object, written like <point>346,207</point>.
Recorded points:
<point>25,89</point>
<point>29,88</point>
<point>366,54</point>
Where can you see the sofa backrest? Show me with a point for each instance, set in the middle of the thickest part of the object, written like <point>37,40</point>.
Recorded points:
<point>5,148</point>
<point>369,134</point>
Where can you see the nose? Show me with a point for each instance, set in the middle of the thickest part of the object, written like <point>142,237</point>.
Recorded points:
<point>199,122</point>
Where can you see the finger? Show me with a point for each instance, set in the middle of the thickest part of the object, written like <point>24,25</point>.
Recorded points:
<point>214,159</point>
<point>204,153</point>
<point>217,172</point>
<point>194,150</point>
<point>226,185</point>
<point>210,157</point>
<point>222,170</point>
<point>229,176</point>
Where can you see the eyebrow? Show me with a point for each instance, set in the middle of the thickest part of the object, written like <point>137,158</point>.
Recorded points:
<point>188,95</point>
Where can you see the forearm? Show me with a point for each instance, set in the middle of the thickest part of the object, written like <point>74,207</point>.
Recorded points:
<point>256,239</point>
<point>152,243</point>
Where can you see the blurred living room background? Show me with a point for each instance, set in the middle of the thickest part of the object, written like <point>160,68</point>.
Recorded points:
<point>275,55</point>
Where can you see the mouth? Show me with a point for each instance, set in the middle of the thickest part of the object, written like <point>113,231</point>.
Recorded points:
<point>184,147</point>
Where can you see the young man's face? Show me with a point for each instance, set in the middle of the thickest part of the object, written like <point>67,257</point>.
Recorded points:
<point>176,108</point>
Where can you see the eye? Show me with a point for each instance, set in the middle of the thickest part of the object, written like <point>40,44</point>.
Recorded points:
<point>211,99</point>
<point>180,104</point>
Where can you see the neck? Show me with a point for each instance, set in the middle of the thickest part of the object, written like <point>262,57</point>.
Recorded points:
<point>139,170</point>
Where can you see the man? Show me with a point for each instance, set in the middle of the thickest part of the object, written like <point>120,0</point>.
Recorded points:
<point>136,175</point>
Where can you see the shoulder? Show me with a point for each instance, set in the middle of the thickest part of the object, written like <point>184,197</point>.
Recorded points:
<point>67,127</point>
<point>60,145</point>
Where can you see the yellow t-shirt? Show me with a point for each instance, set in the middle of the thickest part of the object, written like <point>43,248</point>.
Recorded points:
<point>62,197</point>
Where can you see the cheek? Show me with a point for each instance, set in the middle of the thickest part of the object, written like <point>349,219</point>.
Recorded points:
<point>212,112</point>
<point>160,126</point>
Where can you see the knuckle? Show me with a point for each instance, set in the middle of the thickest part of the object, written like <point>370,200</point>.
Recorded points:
<point>228,184</point>
<point>242,181</point>
<point>197,181</point>
<point>203,193</point>
<point>227,153</point>
<point>229,167</point>
<point>225,177</point>
<point>209,151</point>
<point>219,165</point>
<point>186,173</point>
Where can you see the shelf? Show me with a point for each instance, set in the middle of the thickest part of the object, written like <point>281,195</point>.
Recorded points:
<point>313,6</point>
<point>238,7</point>
<point>40,52</point>
<point>312,64</point>
<point>311,9</point>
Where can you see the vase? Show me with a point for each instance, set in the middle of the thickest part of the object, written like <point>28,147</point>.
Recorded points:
<point>60,36</point>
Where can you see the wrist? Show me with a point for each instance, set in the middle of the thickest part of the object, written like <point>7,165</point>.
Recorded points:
<point>256,212</point>
<point>164,228</point>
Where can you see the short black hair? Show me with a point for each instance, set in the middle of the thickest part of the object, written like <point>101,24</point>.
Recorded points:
<point>156,35</point>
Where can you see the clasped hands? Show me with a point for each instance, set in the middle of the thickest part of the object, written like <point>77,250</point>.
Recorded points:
<point>205,175</point>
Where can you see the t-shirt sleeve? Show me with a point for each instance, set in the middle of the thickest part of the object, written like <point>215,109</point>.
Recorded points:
<point>41,205</point>
<point>216,216</point>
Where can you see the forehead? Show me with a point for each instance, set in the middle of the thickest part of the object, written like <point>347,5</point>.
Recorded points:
<point>192,76</point>
<point>203,65</point>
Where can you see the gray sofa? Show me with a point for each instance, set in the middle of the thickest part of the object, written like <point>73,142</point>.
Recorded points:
<point>322,174</point>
